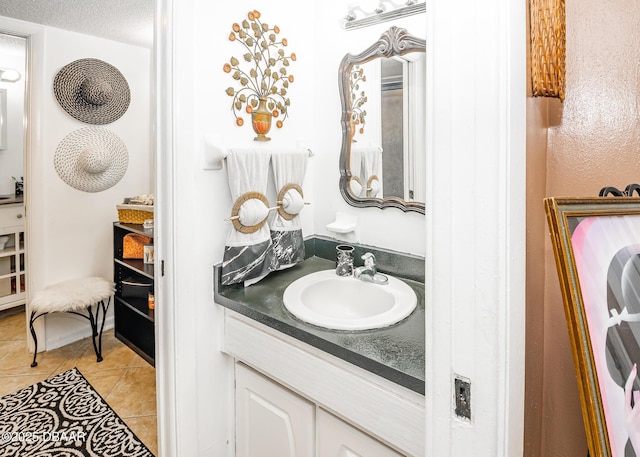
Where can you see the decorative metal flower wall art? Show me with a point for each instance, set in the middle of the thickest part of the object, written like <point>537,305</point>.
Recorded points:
<point>262,74</point>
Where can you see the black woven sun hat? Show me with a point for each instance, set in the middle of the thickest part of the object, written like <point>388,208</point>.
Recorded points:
<point>92,91</point>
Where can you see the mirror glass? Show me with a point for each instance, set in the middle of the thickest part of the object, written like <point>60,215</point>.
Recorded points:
<point>13,65</point>
<point>3,118</point>
<point>382,91</point>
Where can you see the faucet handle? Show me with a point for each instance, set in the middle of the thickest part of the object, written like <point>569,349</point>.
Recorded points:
<point>369,259</point>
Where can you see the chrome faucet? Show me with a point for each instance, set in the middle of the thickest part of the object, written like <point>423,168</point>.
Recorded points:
<point>369,271</point>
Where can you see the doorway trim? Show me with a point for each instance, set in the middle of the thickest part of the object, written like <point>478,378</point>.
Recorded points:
<point>166,397</point>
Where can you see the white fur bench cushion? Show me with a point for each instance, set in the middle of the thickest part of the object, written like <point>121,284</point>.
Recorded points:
<point>73,295</point>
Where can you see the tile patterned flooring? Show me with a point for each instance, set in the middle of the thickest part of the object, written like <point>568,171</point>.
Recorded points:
<point>123,379</point>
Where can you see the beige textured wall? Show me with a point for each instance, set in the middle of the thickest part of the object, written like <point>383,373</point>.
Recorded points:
<point>593,141</point>
<point>537,109</point>
<point>597,141</point>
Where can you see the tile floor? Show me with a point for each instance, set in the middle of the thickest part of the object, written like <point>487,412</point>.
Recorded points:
<point>123,379</point>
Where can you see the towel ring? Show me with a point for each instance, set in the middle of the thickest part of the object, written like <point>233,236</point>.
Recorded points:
<point>355,179</point>
<point>286,188</point>
<point>369,183</point>
<point>235,219</point>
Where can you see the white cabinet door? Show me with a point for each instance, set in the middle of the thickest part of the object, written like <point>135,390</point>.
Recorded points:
<point>12,256</point>
<point>271,421</point>
<point>336,438</point>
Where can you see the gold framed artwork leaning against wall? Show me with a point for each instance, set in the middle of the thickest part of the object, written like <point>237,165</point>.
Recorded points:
<point>596,243</point>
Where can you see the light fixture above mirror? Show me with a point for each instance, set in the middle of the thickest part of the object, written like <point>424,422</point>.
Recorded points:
<point>368,12</point>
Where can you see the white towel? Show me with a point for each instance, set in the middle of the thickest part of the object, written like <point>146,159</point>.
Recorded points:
<point>355,165</point>
<point>248,171</point>
<point>372,170</point>
<point>248,256</point>
<point>289,167</point>
<point>366,161</point>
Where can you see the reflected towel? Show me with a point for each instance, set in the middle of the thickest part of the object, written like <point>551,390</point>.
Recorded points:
<point>372,170</point>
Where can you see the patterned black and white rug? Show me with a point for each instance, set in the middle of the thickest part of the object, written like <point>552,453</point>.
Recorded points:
<point>64,416</point>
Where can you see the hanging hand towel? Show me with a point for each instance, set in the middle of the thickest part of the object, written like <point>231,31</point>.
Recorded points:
<point>248,252</point>
<point>355,166</point>
<point>289,168</point>
<point>372,170</point>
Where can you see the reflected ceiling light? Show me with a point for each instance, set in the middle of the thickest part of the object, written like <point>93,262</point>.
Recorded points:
<point>369,12</point>
<point>9,75</point>
<point>353,12</point>
<point>369,6</point>
<point>350,16</point>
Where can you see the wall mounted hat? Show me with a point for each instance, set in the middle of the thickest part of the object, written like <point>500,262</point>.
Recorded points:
<point>91,159</point>
<point>92,91</point>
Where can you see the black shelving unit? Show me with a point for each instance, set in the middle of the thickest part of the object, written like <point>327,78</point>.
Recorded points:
<point>134,321</point>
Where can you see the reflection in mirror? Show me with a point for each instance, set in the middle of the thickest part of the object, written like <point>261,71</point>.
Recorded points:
<point>13,65</point>
<point>383,164</point>
<point>3,118</point>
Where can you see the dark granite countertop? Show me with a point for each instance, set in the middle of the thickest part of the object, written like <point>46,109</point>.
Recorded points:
<point>396,353</point>
<point>10,199</point>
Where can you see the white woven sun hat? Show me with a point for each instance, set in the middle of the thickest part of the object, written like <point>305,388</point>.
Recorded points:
<point>92,91</point>
<point>91,159</point>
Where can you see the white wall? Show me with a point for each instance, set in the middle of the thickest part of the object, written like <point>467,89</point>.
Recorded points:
<point>12,158</point>
<point>476,118</point>
<point>70,232</point>
<point>202,201</point>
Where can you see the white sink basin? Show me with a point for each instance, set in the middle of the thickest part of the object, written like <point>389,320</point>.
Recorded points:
<point>345,303</point>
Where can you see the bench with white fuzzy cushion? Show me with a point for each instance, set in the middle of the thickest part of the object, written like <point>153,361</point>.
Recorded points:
<point>76,296</point>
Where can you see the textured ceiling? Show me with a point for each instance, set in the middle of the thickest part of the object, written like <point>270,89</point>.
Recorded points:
<point>128,21</point>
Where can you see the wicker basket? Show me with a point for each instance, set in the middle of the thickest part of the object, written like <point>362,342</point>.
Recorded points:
<point>134,214</point>
<point>548,48</point>
<point>133,245</point>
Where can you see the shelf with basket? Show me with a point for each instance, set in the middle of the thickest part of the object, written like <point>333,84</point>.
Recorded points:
<point>134,279</point>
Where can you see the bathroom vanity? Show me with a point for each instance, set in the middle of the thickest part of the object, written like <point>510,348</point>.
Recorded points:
<point>359,390</point>
<point>12,252</point>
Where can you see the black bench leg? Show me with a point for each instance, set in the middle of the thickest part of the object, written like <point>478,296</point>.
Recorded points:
<point>104,318</point>
<point>94,333</point>
<point>95,323</point>
<point>32,319</point>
